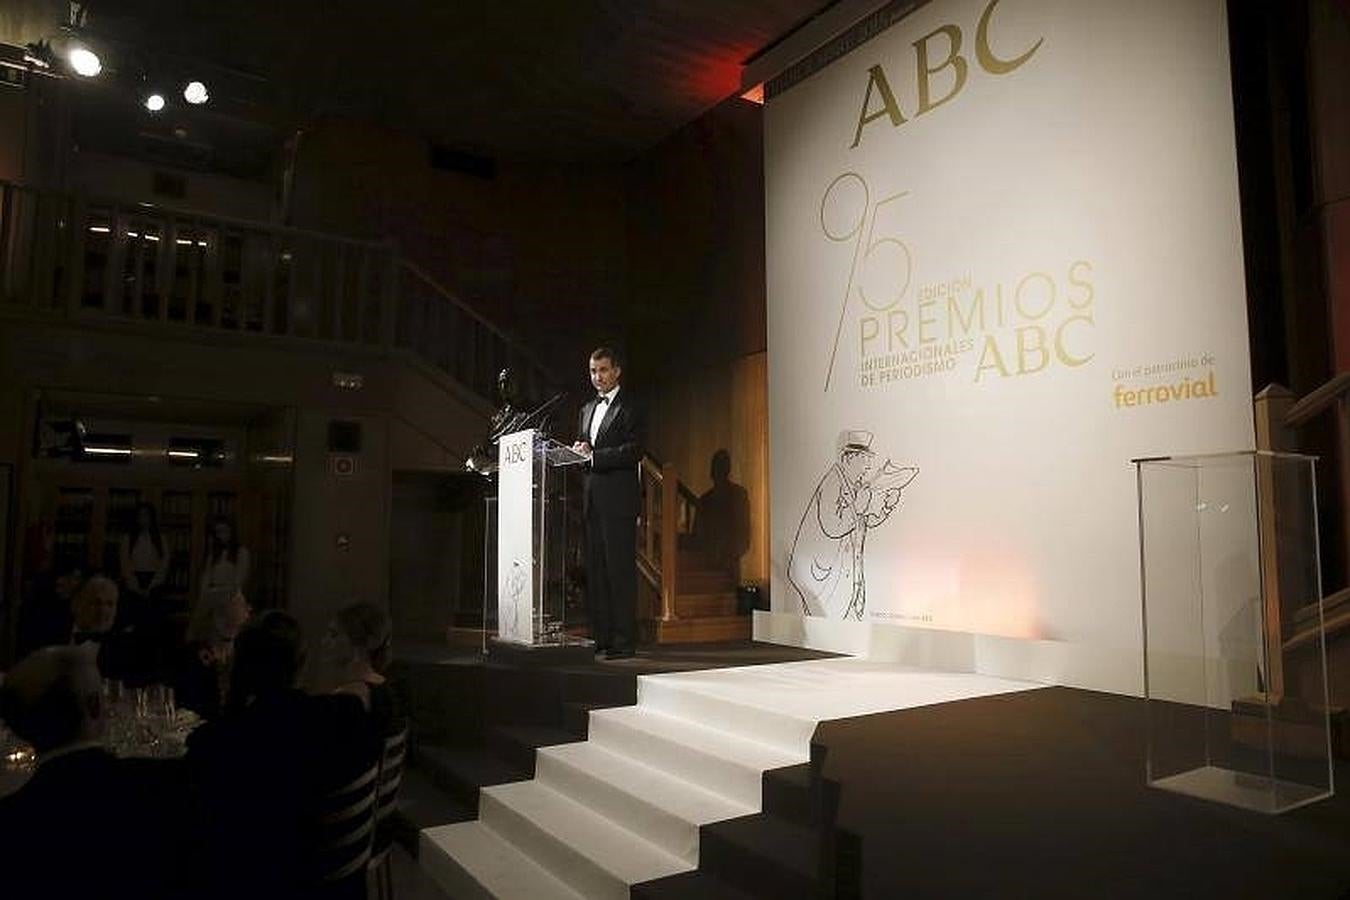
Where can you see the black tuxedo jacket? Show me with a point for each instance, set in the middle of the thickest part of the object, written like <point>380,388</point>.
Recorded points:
<point>612,476</point>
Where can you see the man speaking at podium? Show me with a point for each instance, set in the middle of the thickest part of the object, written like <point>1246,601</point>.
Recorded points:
<point>610,428</point>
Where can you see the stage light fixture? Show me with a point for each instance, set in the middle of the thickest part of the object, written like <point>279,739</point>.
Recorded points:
<point>84,61</point>
<point>154,103</point>
<point>195,93</point>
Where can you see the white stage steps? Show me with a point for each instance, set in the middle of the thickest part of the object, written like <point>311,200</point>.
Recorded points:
<point>665,810</point>
<point>621,808</point>
<point>470,862</point>
<point>625,806</point>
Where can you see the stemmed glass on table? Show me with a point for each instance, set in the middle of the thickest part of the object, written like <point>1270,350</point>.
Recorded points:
<point>140,720</point>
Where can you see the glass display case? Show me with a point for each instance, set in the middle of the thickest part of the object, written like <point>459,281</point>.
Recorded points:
<point>1231,581</point>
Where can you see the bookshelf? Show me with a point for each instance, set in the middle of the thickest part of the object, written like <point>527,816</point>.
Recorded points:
<point>176,528</point>
<point>121,521</point>
<point>74,523</point>
<point>92,515</point>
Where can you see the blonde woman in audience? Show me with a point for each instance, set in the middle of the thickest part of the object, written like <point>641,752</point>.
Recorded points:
<point>359,645</point>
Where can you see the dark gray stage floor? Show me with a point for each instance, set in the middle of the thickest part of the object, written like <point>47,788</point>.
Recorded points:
<point>1041,794</point>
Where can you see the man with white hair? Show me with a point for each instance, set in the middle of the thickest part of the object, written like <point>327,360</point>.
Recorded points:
<point>123,653</point>
<point>94,610</point>
<point>86,823</point>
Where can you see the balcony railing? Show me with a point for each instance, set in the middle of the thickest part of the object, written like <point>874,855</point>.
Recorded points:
<point>75,256</point>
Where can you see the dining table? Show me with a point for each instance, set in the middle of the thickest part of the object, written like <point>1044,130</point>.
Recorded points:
<point>139,722</point>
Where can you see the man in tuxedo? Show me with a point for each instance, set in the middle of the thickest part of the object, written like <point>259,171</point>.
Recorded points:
<point>86,824</point>
<point>124,653</point>
<point>610,430</point>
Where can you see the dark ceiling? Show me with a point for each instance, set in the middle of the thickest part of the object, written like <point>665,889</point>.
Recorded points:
<point>594,80</point>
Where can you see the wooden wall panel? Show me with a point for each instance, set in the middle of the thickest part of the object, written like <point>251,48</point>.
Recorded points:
<point>750,458</point>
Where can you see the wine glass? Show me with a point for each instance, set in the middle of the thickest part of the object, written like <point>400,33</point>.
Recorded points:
<point>118,711</point>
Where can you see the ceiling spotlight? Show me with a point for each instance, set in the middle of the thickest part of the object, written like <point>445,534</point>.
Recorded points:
<point>84,61</point>
<point>155,102</point>
<point>195,93</point>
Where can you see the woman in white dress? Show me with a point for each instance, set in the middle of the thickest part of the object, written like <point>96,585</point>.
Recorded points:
<point>227,565</point>
<point>145,562</point>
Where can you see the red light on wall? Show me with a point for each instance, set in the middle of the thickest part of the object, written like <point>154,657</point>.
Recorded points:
<point>755,94</point>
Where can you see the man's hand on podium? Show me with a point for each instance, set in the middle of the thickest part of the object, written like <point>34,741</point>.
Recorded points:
<point>584,449</point>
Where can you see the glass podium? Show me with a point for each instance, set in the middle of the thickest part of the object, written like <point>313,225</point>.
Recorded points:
<point>527,544</point>
<point>1233,638</point>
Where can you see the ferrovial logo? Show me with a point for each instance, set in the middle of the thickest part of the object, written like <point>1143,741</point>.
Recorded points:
<point>944,44</point>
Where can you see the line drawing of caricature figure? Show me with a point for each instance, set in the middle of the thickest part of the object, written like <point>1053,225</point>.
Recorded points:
<point>516,588</point>
<point>858,492</point>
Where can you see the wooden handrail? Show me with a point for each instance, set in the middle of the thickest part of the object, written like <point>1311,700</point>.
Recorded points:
<point>667,510</point>
<point>1317,400</point>
<point>649,474</point>
<point>1334,394</point>
<point>1308,626</point>
<point>450,297</point>
<point>1296,622</point>
<point>670,536</point>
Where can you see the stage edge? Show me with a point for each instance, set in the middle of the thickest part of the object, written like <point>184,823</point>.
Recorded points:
<point>1118,670</point>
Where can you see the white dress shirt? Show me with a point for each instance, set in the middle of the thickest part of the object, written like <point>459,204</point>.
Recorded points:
<point>601,410</point>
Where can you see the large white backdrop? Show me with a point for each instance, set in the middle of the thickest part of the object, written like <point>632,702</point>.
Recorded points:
<point>989,288</point>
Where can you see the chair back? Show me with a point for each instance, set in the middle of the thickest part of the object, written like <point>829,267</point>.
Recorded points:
<point>345,826</point>
<point>390,777</point>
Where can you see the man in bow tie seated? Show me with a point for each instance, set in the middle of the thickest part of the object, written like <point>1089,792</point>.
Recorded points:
<point>123,654</point>
<point>86,824</point>
<point>94,611</point>
<point>610,430</point>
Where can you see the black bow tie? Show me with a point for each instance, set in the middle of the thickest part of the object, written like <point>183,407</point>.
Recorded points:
<point>601,398</point>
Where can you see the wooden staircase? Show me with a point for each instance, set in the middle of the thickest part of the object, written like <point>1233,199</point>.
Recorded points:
<point>1297,705</point>
<point>684,595</point>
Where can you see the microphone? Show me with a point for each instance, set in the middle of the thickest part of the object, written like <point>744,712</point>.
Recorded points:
<point>537,414</point>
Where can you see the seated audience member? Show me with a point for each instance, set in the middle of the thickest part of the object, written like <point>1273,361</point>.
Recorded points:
<point>203,675</point>
<point>265,765</point>
<point>123,654</point>
<point>360,645</point>
<point>45,617</point>
<point>86,824</point>
<point>94,611</point>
